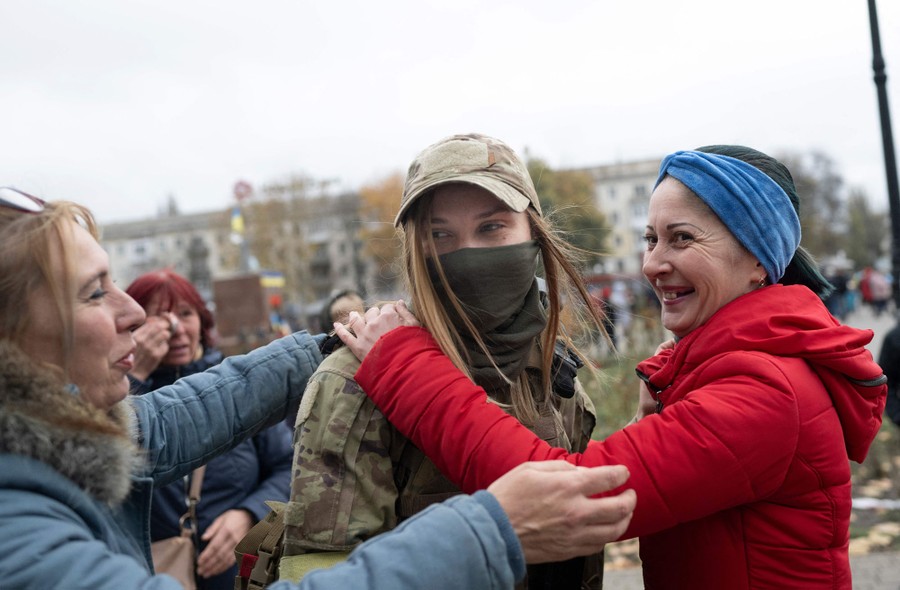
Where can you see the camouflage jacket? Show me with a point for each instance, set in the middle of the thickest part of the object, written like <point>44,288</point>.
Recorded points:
<point>354,476</point>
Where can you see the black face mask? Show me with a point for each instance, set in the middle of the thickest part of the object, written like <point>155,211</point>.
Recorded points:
<point>499,294</point>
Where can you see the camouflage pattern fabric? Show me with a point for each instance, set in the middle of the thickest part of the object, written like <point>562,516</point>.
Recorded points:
<point>472,158</point>
<point>355,476</point>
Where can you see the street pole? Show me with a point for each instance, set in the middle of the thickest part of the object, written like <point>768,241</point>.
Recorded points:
<point>890,161</point>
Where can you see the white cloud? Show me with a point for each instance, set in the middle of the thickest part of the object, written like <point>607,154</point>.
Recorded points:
<point>117,104</point>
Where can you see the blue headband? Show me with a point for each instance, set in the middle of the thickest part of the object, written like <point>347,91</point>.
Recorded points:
<point>750,204</point>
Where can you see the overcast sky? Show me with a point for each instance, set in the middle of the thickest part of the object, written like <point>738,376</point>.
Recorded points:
<point>119,103</point>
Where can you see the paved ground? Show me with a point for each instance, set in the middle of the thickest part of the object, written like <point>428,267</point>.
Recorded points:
<point>874,571</point>
<point>864,318</point>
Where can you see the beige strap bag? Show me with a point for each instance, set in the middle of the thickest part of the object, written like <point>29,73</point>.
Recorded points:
<point>177,556</point>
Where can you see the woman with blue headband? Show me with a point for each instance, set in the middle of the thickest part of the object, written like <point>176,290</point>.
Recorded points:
<point>741,467</point>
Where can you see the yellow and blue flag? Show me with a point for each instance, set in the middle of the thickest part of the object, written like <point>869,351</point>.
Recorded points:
<point>237,220</point>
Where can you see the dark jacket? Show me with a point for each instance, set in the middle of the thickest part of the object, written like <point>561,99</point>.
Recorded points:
<point>889,359</point>
<point>256,470</point>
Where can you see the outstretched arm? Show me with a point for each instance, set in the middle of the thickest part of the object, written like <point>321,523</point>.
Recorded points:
<point>551,508</point>
<point>685,463</point>
<point>537,512</point>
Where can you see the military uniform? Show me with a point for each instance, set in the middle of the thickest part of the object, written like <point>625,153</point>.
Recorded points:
<point>355,476</point>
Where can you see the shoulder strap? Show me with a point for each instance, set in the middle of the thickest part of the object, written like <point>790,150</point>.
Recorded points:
<point>188,521</point>
<point>196,483</point>
<point>258,553</point>
<point>565,368</point>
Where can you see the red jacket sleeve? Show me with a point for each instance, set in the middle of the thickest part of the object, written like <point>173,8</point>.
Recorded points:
<point>474,442</point>
<point>447,416</point>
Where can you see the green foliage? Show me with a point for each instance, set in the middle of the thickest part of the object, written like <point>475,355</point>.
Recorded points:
<point>822,206</point>
<point>831,219</point>
<point>379,203</point>
<point>567,199</point>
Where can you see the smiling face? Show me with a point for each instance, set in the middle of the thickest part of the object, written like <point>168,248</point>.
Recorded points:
<point>184,345</point>
<point>103,318</point>
<point>693,262</point>
<point>468,216</point>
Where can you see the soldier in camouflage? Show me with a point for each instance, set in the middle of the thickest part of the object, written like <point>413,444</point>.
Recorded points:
<point>473,233</point>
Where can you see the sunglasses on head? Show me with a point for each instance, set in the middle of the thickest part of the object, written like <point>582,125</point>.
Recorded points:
<point>16,199</point>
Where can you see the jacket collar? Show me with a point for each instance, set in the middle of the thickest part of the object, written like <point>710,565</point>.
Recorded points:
<point>788,321</point>
<point>42,418</point>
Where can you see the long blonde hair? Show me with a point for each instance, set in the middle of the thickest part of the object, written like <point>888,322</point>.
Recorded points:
<point>30,242</point>
<point>564,284</point>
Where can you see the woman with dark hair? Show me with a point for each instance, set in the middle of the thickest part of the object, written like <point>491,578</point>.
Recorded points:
<point>741,461</point>
<point>176,341</point>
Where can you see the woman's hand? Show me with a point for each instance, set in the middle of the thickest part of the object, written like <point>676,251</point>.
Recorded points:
<point>223,536</point>
<point>646,402</point>
<point>152,343</point>
<point>362,331</point>
<point>666,345</point>
<point>549,505</point>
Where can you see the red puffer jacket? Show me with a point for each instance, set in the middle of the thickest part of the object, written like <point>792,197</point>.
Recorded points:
<point>742,480</point>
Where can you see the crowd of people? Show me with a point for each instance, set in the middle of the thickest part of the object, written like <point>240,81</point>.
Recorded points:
<point>448,442</point>
<point>868,287</point>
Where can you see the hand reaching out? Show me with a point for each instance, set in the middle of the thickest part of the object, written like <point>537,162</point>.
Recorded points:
<point>368,328</point>
<point>550,507</point>
<point>646,400</point>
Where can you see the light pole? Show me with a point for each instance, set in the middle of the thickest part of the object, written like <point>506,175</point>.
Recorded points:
<point>890,161</point>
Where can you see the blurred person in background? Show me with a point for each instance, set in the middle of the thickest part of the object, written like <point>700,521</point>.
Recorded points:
<point>178,340</point>
<point>876,290</point>
<point>339,306</point>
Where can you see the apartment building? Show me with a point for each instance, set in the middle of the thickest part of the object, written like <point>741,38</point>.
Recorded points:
<point>622,193</point>
<point>313,242</point>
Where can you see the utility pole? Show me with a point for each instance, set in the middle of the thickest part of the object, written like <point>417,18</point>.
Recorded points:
<point>890,161</point>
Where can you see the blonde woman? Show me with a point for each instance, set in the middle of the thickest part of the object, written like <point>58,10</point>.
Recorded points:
<point>79,457</point>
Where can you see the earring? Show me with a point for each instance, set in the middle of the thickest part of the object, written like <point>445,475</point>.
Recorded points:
<point>762,281</point>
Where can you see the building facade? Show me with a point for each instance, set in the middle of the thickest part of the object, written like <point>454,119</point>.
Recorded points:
<point>622,194</point>
<point>313,243</point>
<point>316,243</point>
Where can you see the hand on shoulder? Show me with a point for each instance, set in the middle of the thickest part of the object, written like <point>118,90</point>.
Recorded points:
<point>362,331</point>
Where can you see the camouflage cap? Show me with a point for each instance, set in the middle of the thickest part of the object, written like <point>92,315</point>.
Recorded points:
<point>473,159</point>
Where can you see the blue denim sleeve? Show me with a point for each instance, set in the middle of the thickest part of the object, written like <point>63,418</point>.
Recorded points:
<point>465,542</point>
<point>184,425</point>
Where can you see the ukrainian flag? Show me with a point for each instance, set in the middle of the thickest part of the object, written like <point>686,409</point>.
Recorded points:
<point>237,220</point>
<point>271,279</point>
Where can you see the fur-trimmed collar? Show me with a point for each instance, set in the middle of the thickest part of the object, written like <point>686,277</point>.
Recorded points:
<point>40,418</point>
